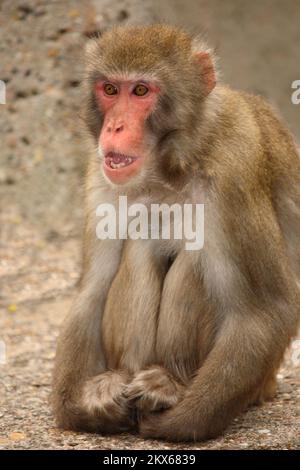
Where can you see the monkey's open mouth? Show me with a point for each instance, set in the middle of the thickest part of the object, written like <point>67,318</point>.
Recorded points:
<point>119,168</point>
<point>118,160</point>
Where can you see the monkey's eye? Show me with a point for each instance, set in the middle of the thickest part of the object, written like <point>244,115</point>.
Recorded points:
<point>110,89</point>
<point>140,90</point>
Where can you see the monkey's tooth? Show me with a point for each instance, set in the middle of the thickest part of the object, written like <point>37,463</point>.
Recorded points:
<point>117,165</point>
<point>118,161</point>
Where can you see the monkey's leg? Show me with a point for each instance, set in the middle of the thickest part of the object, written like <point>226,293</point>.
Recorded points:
<point>130,317</point>
<point>85,395</point>
<point>257,304</point>
<point>130,327</point>
<point>185,331</point>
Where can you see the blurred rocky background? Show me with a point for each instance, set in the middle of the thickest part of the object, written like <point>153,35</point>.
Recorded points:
<point>42,159</point>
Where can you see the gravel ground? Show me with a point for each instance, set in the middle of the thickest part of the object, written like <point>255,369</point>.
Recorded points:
<point>40,199</point>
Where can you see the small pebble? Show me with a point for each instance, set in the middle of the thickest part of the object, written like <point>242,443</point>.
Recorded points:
<point>264,431</point>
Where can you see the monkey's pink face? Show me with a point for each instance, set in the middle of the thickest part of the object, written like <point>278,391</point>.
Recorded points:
<point>126,106</point>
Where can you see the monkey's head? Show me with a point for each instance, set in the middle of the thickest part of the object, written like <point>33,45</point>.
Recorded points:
<point>146,88</point>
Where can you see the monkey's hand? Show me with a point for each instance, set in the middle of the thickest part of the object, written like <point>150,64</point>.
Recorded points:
<point>153,389</point>
<point>104,400</point>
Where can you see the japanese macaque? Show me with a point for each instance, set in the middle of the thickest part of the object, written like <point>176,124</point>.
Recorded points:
<point>171,342</point>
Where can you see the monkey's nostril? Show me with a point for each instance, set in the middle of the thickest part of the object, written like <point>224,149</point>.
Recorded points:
<point>119,128</point>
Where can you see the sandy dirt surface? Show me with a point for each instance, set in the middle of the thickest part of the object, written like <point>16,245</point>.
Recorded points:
<point>41,160</point>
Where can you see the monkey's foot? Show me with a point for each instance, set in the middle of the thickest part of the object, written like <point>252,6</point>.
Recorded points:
<point>178,424</point>
<point>104,400</point>
<point>154,389</point>
<point>266,392</point>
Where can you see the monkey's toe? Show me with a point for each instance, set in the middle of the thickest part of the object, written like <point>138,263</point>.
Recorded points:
<point>153,389</point>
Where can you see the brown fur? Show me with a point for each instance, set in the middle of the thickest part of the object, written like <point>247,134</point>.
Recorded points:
<point>194,336</point>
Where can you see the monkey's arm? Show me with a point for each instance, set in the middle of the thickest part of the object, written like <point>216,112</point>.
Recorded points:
<point>79,354</point>
<point>85,394</point>
<point>250,286</point>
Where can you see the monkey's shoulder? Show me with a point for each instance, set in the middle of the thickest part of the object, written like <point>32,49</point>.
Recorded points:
<point>253,109</point>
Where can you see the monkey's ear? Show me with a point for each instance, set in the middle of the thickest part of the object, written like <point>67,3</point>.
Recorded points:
<point>206,63</point>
